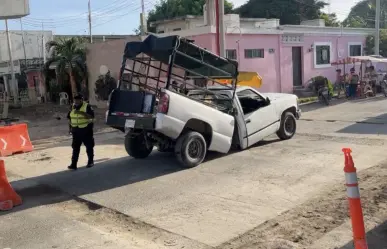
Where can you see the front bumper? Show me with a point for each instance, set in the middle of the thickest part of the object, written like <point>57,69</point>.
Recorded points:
<point>298,113</point>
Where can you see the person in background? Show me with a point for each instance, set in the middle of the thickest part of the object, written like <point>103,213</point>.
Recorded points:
<point>340,81</point>
<point>81,118</point>
<point>373,78</point>
<point>353,82</point>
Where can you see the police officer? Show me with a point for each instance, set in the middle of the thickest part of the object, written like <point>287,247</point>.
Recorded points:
<point>81,118</point>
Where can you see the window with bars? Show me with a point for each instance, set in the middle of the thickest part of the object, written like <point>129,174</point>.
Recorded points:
<point>355,50</point>
<point>323,55</point>
<point>231,54</point>
<point>254,53</point>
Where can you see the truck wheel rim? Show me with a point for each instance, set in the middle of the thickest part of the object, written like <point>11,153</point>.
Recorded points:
<point>289,126</point>
<point>194,149</point>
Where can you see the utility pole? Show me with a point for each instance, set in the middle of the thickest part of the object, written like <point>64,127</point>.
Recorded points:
<point>217,27</point>
<point>222,30</point>
<point>41,78</point>
<point>377,27</point>
<point>142,20</point>
<point>91,36</point>
<point>43,45</point>
<point>14,83</point>
<point>329,7</point>
<point>23,41</point>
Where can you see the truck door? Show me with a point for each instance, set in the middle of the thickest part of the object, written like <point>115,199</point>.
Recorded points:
<point>259,115</point>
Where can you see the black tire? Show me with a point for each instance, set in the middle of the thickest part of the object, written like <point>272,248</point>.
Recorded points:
<point>136,146</point>
<point>193,158</point>
<point>288,126</point>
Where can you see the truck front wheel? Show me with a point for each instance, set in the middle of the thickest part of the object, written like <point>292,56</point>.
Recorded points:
<point>191,149</point>
<point>137,147</point>
<point>288,126</point>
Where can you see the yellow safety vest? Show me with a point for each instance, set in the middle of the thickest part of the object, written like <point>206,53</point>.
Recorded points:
<point>77,120</point>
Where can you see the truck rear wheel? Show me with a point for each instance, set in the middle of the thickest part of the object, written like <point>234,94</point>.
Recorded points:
<point>137,147</point>
<point>288,126</point>
<point>191,149</point>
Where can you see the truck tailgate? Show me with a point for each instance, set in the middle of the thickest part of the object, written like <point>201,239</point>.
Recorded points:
<point>131,105</point>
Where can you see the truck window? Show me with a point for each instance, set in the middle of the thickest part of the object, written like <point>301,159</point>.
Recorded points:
<point>222,102</point>
<point>250,101</point>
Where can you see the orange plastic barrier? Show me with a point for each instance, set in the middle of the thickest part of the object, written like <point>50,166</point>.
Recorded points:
<point>8,197</point>
<point>355,209</point>
<point>14,139</point>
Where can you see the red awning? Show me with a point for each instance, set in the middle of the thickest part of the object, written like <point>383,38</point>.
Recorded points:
<point>348,60</point>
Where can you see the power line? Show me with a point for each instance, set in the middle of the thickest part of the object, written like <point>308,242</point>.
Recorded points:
<point>76,22</point>
<point>116,9</point>
<point>114,19</point>
<point>77,16</point>
<point>65,21</point>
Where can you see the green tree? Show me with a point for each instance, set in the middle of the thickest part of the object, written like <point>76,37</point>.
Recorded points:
<point>330,20</point>
<point>370,44</point>
<point>69,55</point>
<point>168,9</point>
<point>104,86</point>
<point>362,15</point>
<point>288,11</point>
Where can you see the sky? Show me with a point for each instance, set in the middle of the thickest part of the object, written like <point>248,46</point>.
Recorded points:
<point>115,17</point>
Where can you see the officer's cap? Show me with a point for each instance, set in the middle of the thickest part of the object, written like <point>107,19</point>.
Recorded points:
<point>78,96</point>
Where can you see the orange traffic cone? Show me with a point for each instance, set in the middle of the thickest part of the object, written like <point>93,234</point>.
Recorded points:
<point>353,194</point>
<point>8,197</point>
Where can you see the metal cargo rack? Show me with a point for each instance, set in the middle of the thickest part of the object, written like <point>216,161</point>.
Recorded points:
<point>155,56</point>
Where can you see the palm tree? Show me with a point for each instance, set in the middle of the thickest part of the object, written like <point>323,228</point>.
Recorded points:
<point>69,55</point>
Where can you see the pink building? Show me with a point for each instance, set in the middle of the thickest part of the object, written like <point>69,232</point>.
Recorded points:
<point>286,56</point>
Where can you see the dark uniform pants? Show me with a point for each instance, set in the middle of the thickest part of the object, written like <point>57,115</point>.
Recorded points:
<point>85,136</point>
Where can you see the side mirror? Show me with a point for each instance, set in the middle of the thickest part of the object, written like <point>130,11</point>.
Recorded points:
<point>268,100</point>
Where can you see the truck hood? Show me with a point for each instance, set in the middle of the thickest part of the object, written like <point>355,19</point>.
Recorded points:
<point>275,96</point>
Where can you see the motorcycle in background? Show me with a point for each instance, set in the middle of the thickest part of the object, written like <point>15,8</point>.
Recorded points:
<point>320,86</point>
<point>324,95</point>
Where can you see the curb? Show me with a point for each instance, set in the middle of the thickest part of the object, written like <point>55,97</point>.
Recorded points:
<point>308,103</point>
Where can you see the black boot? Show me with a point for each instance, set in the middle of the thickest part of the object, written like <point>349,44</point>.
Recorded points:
<point>72,167</point>
<point>90,164</point>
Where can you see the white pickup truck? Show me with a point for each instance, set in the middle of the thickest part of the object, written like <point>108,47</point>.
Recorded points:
<point>191,128</point>
<point>190,121</point>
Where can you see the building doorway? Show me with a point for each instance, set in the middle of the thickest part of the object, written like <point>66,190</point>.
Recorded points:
<point>297,66</point>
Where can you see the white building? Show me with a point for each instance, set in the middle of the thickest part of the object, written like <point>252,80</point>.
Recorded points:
<point>32,41</point>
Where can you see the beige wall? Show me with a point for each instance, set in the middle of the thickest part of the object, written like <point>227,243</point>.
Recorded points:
<point>106,53</point>
<point>170,26</point>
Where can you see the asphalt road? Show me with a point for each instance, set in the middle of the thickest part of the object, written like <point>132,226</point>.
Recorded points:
<point>203,207</point>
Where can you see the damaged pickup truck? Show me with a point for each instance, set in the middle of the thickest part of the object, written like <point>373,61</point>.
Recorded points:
<point>168,97</point>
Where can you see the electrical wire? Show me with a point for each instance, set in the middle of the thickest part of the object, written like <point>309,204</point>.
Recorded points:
<point>71,22</point>
<point>110,17</point>
<point>116,18</point>
<point>77,16</point>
